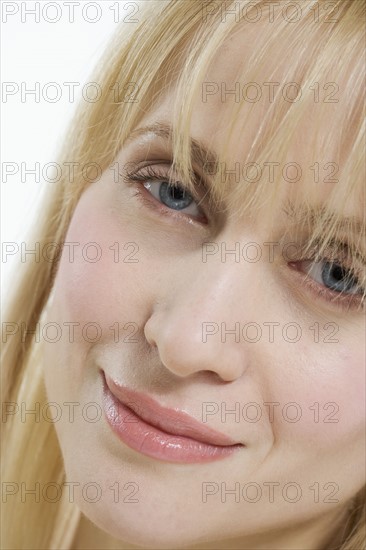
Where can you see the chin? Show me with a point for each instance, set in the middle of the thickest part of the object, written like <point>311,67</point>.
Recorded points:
<point>146,533</point>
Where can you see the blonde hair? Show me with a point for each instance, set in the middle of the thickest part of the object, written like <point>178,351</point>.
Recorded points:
<point>174,41</point>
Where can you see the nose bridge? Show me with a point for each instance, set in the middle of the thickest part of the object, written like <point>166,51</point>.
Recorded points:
<point>216,284</point>
<point>195,324</point>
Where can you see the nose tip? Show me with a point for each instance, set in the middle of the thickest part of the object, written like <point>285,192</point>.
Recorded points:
<point>194,304</point>
<point>182,350</point>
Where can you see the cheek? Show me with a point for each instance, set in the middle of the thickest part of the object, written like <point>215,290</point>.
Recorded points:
<point>324,394</point>
<point>104,284</point>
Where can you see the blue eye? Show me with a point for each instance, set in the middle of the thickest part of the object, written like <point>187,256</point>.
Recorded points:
<point>338,278</point>
<point>333,276</point>
<point>173,196</point>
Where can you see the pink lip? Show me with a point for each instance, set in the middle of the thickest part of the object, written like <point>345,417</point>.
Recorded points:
<point>159,432</point>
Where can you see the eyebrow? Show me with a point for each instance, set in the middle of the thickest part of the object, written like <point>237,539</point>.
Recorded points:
<point>201,155</point>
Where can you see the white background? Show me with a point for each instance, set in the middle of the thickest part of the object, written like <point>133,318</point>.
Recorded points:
<point>41,51</point>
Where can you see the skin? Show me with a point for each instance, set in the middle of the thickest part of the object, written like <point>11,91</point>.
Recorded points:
<point>168,294</point>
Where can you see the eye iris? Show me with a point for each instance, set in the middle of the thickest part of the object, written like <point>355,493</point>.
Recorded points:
<point>337,278</point>
<point>174,196</point>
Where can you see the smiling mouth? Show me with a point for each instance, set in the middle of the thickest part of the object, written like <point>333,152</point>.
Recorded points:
<point>159,432</point>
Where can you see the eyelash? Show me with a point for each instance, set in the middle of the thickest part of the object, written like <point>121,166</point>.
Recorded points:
<point>153,174</point>
<point>343,301</point>
<point>340,299</point>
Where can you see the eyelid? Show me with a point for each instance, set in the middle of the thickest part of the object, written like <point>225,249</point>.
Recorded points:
<point>151,172</point>
<point>341,300</point>
<point>163,169</point>
<point>337,252</point>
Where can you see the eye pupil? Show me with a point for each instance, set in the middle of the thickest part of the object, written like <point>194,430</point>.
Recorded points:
<point>338,273</point>
<point>337,278</point>
<point>177,193</point>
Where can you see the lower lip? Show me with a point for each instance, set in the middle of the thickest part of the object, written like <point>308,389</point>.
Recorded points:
<point>153,442</point>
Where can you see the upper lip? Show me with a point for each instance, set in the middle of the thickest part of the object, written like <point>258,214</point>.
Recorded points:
<point>170,421</point>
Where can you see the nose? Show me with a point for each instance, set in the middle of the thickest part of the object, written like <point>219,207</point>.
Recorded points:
<point>198,309</point>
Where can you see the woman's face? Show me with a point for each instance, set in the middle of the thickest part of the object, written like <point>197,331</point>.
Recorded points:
<point>176,307</point>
